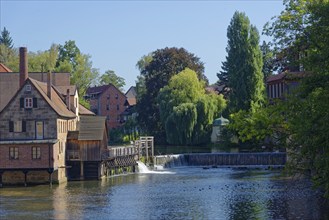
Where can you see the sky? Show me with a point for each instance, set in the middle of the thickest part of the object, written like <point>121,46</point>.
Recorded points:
<point>116,34</point>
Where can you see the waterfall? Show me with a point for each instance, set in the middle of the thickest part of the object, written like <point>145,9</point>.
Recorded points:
<point>222,159</point>
<point>142,168</point>
<point>169,161</point>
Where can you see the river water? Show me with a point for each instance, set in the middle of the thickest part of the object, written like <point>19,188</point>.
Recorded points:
<point>178,193</point>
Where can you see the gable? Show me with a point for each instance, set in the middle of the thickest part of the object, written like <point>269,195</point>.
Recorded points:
<point>39,92</point>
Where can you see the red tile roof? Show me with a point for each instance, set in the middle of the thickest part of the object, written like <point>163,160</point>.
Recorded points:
<point>4,69</point>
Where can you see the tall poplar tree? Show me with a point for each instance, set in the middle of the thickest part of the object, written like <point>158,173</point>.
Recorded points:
<point>242,69</point>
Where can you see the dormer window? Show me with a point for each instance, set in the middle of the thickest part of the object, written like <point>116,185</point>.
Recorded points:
<point>28,88</point>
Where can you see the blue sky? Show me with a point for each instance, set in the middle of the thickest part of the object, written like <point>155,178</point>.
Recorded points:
<point>116,34</point>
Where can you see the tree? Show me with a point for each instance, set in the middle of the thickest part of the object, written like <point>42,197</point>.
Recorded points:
<point>110,77</point>
<point>243,66</point>
<point>5,39</point>
<point>84,75</point>
<point>144,61</point>
<point>68,52</point>
<point>43,61</point>
<point>186,111</point>
<point>79,65</point>
<point>9,57</point>
<point>302,29</point>
<point>7,51</point>
<point>164,64</point>
<point>268,60</point>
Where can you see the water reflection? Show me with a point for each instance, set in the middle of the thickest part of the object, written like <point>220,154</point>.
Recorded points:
<point>190,193</point>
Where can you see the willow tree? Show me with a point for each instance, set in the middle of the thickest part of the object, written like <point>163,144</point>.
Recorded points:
<point>186,110</point>
<point>243,66</point>
<point>156,70</point>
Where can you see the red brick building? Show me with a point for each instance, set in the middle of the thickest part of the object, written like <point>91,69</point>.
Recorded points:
<point>108,101</point>
<point>34,125</point>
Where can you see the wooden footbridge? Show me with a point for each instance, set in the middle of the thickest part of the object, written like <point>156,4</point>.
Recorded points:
<point>122,159</point>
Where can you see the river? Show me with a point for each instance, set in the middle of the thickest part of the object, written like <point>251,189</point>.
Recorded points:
<point>178,193</point>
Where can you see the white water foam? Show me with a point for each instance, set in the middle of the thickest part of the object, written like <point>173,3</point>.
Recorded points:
<point>142,168</point>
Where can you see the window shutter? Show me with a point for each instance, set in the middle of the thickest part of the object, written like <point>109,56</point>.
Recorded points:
<point>21,101</point>
<point>23,126</point>
<point>11,126</point>
<point>35,103</point>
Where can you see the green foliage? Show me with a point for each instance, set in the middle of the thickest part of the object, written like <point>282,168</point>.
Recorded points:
<point>126,133</point>
<point>116,136</point>
<point>68,52</point>
<point>268,60</point>
<point>131,129</point>
<point>156,73</point>
<point>186,110</point>
<point>242,70</point>
<point>43,61</point>
<point>256,126</point>
<point>144,61</point>
<point>302,28</point>
<point>308,129</point>
<point>5,38</point>
<point>79,65</point>
<point>9,57</point>
<point>83,74</point>
<point>180,124</point>
<point>110,77</point>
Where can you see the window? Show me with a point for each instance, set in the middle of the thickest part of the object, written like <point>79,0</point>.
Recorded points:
<point>17,126</point>
<point>116,96</point>
<point>28,88</point>
<point>28,103</point>
<point>118,107</point>
<point>107,107</point>
<point>108,97</point>
<point>39,130</point>
<point>36,153</point>
<point>13,153</point>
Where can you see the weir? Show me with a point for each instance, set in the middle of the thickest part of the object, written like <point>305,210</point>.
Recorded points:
<point>222,159</point>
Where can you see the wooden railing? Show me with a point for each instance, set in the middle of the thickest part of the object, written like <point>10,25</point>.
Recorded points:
<point>120,151</point>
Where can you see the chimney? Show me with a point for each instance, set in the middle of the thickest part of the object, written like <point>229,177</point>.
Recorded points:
<point>68,99</point>
<point>23,72</point>
<point>49,85</point>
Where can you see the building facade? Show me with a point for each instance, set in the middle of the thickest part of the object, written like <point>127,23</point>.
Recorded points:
<point>34,126</point>
<point>279,85</point>
<point>107,101</point>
